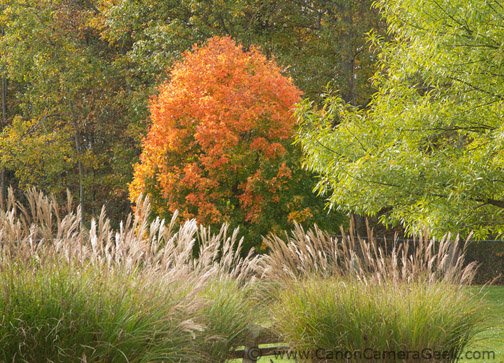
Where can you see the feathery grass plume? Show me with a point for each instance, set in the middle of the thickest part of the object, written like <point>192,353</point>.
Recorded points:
<point>348,294</point>
<point>200,273</point>
<point>175,250</point>
<point>43,229</point>
<point>300,254</point>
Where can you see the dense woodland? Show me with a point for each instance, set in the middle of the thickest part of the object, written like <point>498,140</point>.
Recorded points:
<point>401,117</point>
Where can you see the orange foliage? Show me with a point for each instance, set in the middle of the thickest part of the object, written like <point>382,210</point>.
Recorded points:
<point>219,135</point>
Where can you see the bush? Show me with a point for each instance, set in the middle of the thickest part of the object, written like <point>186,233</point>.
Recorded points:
<point>348,315</point>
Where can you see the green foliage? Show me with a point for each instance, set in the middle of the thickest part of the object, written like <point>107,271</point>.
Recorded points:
<point>84,71</point>
<point>228,314</point>
<point>157,290</point>
<point>347,315</point>
<point>428,152</point>
<point>67,120</point>
<point>21,144</point>
<point>62,313</point>
<point>320,41</point>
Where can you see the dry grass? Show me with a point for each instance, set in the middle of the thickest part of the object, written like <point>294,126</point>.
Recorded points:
<point>44,230</point>
<point>213,285</point>
<point>194,278</point>
<point>348,294</point>
<point>310,253</point>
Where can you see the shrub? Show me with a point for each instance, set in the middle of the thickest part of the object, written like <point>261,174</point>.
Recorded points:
<point>339,315</point>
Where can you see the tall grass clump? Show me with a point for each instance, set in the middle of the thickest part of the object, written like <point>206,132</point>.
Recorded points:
<point>228,315</point>
<point>348,294</point>
<point>160,290</point>
<point>42,229</point>
<point>333,316</point>
<point>150,290</point>
<point>300,254</point>
<point>57,312</point>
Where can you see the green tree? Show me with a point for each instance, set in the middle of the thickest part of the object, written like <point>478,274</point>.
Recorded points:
<point>80,73</point>
<point>429,151</point>
<point>316,41</point>
<point>319,41</point>
<point>68,124</point>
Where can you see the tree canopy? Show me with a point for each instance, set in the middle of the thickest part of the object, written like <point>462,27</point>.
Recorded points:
<point>219,148</point>
<point>319,41</point>
<point>429,150</point>
<point>67,123</point>
<point>77,76</point>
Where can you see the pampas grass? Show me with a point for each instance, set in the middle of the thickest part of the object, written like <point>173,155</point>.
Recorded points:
<point>300,254</point>
<point>46,230</point>
<point>153,289</point>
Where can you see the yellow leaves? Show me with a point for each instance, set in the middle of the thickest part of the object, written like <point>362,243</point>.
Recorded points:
<point>98,20</point>
<point>300,216</point>
<point>27,147</point>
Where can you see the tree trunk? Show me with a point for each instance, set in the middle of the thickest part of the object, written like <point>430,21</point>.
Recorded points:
<point>3,186</point>
<point>81,173</point>
<point>348,55</point>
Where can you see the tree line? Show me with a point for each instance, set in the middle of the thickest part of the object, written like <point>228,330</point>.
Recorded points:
<point>401,118</point>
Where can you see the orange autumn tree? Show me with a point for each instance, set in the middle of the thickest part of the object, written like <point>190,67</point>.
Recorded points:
<point>219,147</point>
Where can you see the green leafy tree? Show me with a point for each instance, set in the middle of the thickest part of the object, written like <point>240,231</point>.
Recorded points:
<point>80,73</point>
<point>68,124</point>
<point>429,151</point>
<point>319,41</point>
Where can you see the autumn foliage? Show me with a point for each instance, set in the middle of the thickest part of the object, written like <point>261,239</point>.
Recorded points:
<point>221,128</point>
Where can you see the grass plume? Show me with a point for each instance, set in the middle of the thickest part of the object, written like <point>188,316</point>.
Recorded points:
<point>300,254</point>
